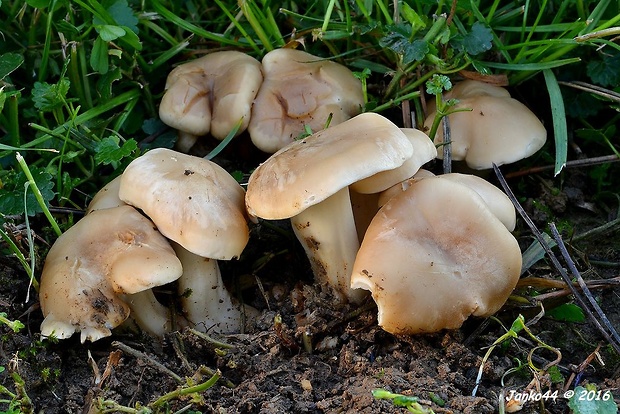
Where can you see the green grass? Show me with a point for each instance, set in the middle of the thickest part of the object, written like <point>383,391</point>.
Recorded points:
<point>80,82</point>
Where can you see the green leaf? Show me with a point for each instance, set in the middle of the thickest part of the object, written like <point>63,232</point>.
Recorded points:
<point>589,401</point>
<point>416,51</point>
<point>555,375</point>
<point>605,71</point>
<point>99,56</point>
<point>47,97</point>
<point>567,312</point>
<point>9,62</point>
<point>437,84</point>
<point>122,14</point>
<point>108,150</point>
<point>132,39</point>
<point>398,40</point>
<point>12,194</point>
<point>38,4</point>
<point>109,33</point>
<point>104,84</point>
<point>412,17</point>
<point>478,40</point>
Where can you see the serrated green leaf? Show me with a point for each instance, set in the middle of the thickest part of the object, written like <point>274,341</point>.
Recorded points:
<point>555,375</point>
<point>123,14</point>
<point>415,51</point>
<point>47,97</point>
<point>153,126</point>
<point>12,194</point>
<point>567,312</point>
<point>165,136</point>
<point>9,62</point>
<point>398,41</point>
<point>437,84</point>
<point>605,72</point>
<point>588,401</point>
<point>476,41</point>
<point>109,33</point>
<point>108,150</point>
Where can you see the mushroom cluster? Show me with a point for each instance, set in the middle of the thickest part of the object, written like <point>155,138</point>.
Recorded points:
<point>431,250</point>
<point>494,128</point>
<point>370,220</point>
<point>311,180</point>
<point>103,268</point>
<point>275,100</point>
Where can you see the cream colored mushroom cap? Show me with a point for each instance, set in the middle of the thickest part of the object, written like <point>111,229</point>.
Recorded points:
<point>308,171</point>
<point>211,94</point>
<point>300,89</point>
<point>106,197</point>
<point>498,130</point>
<point>430,268</point>
<point>497,201</point>
<point>423,151</point>
<point>106,253</point>
<point>191,200</point>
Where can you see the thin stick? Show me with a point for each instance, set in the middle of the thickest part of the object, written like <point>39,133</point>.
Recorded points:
<point>447,147</point>
<point>582,284</point>
<point>569,164</point>
<point>150,361</point>
<point>554,260</point>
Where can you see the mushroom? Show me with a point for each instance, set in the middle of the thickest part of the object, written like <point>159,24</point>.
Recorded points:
<point>198,205</point>
<point>301,90</point>
<point>498,129</point>
<point>497,201</point>
<point>365,193</point>
<point>106,197</point>
<point>430,268</point>
<point>107,253</point>
<point>202,279</point>
<point>307,181</point>
<point>145,310</point>
<point>211,94</point>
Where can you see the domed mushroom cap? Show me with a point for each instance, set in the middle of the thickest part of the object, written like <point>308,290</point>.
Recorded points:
<point>310,170</point>
<point>423,151</point>
<point>308,182</point>
<point>211,94</point>
<point>108,252</point>
<point>106,197</point>
<point>191,200</point>
<point>497,201</point>
<point>301,89</point>
<point>430,268</point>
<point>498,130</point>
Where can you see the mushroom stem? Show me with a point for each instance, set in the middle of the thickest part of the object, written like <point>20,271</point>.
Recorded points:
<point>150,315</point>
<point>204,298</point>
<point>328,234</point>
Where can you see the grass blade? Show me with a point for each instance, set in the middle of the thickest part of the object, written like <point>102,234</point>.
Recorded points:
<point>560,130</point>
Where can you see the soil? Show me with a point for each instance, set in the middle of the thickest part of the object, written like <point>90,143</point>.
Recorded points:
<point>304,354</point>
